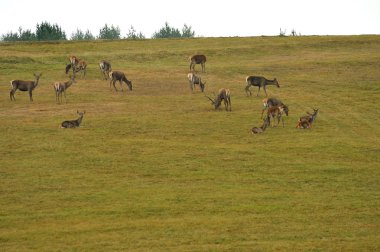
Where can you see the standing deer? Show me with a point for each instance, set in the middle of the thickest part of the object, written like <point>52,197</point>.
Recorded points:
<point>198,59</point>
<point>77,65</point>
<point>194,79</point>
<point>73,123</point>
<point>306,121</point>
<point>105,68</point>
<point>119,76</point>
<point>259,81</point>
<point>24,86</point>
<point>223,94</point>
<point>277,112</point>
<point>258,130</point>
<point>60,87</point>
<point>270,102</point>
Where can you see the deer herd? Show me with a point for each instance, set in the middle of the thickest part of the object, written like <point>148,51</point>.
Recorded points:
<point>275,109</point>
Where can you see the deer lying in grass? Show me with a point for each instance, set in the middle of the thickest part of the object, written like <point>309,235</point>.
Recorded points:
<point>223,94</point>
<point>306,121</point>
<point>198,59</point>
<point>258,130</point>
<point>259,81</point>
<point>60,87</point>
<point>194,80</point>
<point>105,68</point>
<point>24,86</point>
<point>277,112</point>
<point>73,123</point>
<point>119,76</point>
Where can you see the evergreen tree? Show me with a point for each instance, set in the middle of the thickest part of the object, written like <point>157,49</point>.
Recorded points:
<point>109,32</point>
<point>46,31</point>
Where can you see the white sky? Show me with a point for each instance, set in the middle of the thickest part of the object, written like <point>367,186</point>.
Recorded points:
<point>207,18</point>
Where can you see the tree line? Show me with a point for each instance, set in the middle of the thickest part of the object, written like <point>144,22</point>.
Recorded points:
<point>46,31</point>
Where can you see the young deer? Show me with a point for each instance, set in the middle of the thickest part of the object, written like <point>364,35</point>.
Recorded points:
<point>60,87</point>
<point>73,123</point>
<point>306,121</point>
<point>277,112</point>
<point>24,86</point>
<point>105,68</point>
<point>258,130</point>
<point>223,94</point>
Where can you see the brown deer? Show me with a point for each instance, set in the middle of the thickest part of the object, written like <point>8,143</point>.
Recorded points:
<point>194,79</point>
<point>277,112</point>
<point>24,86</point>
<point>73,123</point>
<point>119,76</point>
<point>305,122</point>
<point>60,87</point>
<point>105,68</point>
<point>258,130</point>
<point>198,59</point>
<point>259,81</point>
<point>223,94</point>
<point>77,65</point>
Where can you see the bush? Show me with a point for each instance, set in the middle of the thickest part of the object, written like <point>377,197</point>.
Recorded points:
<point>20,36</point>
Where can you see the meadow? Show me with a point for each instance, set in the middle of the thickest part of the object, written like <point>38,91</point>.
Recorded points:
<point>158,169</point>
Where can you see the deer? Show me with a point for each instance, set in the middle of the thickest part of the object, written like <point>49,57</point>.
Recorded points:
<point>277,112</point>
<point>60,87</point>
<point>305,122</point>
<point>270,102</point>
<point>198,59</point>
<point>259,81</point>
<point>74,123</point>
<point>119,76</point>
<point>223,94</point>
<point>105,68</point>
<point>194,79</point>
<point>24,86</point>
<point>81,66</point>
<point>258,130</point>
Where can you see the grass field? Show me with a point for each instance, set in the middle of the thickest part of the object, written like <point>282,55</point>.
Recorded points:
<point>158,169</point>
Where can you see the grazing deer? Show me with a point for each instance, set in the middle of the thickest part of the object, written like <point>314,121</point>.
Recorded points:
<point>60,87</point>
<point>306,121</point>
<point>277,112</point>
<point>194,79</point>
<point>73,123</point>
<point>258,130</point>
<point>223,94</point>
<point>259,81</point>
<point>270,102</point>
<point>198,59</point>
<point>24,86</point>
<point>119,76</point>
<point>105,68</point>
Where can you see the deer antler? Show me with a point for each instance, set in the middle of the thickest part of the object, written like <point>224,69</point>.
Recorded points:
<point>210,99</point>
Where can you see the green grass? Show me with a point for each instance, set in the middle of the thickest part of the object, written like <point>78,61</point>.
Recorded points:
<point>157,169</point>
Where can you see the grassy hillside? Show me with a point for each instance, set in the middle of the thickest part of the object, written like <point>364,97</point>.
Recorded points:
<point>158,169</point>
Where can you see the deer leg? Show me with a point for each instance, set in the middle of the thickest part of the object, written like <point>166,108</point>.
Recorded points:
<point>64,92</point>
<point>12,94</point>
<point>121,85</point>
<point>258,91</point>
<point>265,90</point>
<point>247,90</point>
<point>30,95</point>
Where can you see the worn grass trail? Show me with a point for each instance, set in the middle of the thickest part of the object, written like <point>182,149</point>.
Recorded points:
<point>158,169</point>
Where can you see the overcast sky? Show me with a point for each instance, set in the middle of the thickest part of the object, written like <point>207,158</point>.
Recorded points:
<point>207,18</point>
